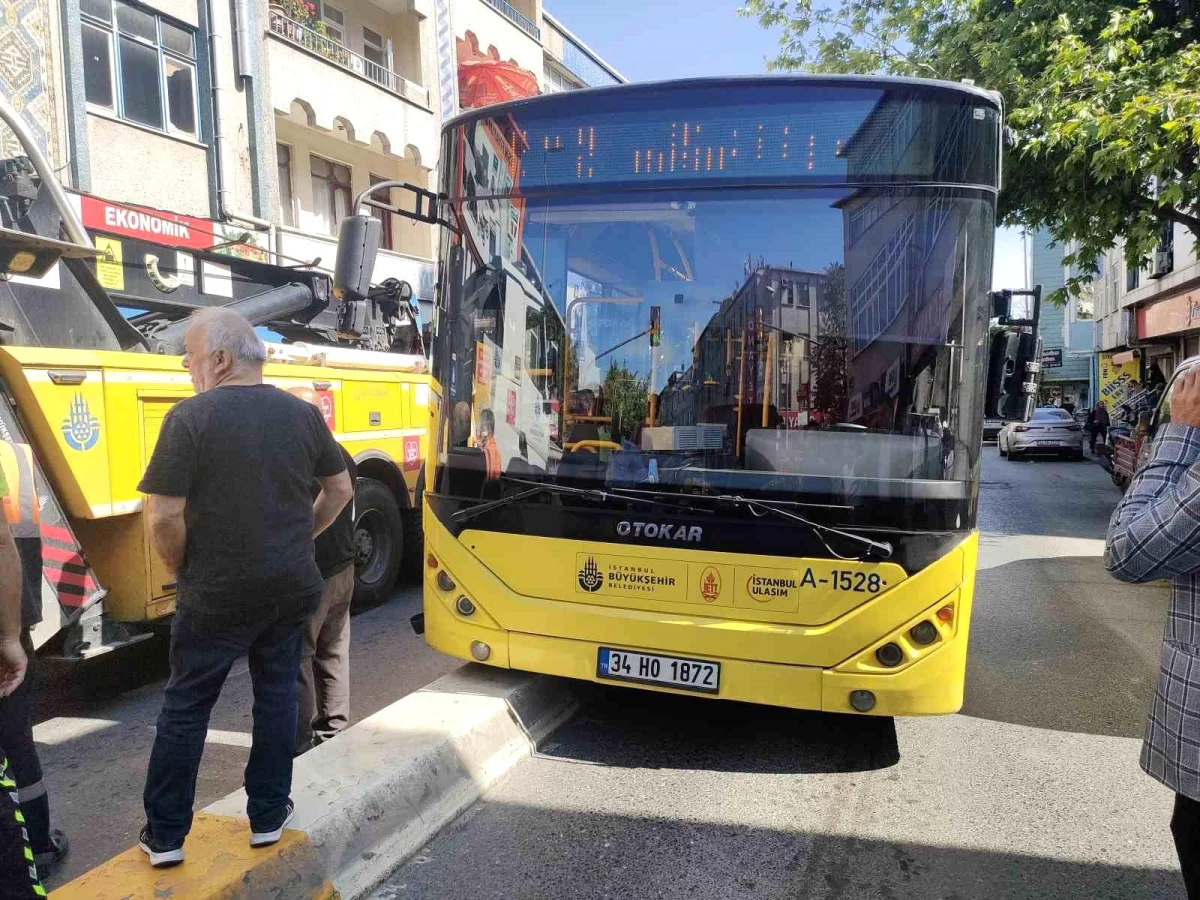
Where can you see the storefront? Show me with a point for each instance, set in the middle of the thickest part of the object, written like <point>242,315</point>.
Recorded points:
<point>1168,331</point>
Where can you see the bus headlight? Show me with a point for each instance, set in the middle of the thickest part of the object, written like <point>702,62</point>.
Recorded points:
<point>480,650</point>
<point>924,632</point>
<point>863,701</point>
<point>445,582</point>
<point>464,605</point>
<point>890,655</point>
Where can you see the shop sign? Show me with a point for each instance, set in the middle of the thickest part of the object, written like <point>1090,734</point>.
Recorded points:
<point>854,408</point>
<point>1052,358</point>
<point>1115,377</point>
<point>152,225</point>
<point>1175,314</point>
<point>160,227</point>
<point>891,379</point>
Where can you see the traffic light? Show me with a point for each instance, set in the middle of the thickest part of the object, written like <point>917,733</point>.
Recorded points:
<point>655,326</point>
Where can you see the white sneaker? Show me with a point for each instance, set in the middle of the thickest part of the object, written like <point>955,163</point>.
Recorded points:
<point>267,838</point>
<point>161,855</point>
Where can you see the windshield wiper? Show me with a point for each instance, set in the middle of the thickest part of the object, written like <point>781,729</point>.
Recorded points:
<point>882,549</point>
<point>540,487</point>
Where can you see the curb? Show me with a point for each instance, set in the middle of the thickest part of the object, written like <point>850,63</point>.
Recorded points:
<point>365,802</point>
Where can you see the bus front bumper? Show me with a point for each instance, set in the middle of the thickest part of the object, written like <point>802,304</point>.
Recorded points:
<point>932,685</point>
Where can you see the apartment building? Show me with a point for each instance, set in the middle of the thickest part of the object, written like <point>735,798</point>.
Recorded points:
<point>1067,331</point>
<point>1137,323</point>
<point>250,126</point>
<point>1154,308</point>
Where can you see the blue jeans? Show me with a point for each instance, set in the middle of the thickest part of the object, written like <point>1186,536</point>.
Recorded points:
<point>203,648</point>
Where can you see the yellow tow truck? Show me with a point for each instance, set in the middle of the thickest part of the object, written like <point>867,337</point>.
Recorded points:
<point>86,378</point>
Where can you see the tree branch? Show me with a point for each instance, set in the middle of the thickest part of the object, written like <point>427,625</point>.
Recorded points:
<point>888,46</point>
<point>1169,214</point>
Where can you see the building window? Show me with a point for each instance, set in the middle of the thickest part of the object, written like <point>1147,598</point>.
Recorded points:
<point>331,192</point>
<point>335,23</point>
<point>374,47</point>
<point>287,204</point>
<point>140,65</point>
<point>787,292</point>
<point>1164,259</point>
<point>384,217</point>
<point>554,81</point>
<point>1131,277</point>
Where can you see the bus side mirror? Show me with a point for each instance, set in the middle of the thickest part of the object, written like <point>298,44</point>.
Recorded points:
<point>358,244</point>
<point>1001,305</point>
<point>1013,363</point>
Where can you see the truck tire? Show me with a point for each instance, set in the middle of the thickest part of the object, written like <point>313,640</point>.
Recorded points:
<point>378,543</point>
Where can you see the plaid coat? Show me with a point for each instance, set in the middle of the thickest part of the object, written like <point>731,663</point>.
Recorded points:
<point>1155,533</point>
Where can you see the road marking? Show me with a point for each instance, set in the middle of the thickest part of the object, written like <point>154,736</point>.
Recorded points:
<point>1000,549</point>
<point>62,729</point>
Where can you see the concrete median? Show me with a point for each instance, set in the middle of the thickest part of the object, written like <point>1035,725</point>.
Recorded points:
<point>364,802</point>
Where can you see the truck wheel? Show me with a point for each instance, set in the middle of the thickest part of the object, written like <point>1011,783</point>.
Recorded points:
<point>378,543</point>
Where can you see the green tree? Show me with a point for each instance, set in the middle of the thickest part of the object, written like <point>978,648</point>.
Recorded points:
<point>1103,98</point>
<point>828,355</point>
<point>626,397</point>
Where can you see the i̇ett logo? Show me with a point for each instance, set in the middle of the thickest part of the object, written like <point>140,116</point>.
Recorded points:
<point>80,428</point>
<point>590,578</point>
<point>710,585</point>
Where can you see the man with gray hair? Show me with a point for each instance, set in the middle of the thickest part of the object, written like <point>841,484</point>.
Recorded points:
<point>231,513</point>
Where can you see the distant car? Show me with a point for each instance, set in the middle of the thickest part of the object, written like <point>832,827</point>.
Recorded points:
<point>1051,431</point>
<point>991,429</point>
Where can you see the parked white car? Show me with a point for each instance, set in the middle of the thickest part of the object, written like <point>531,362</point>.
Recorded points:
<point>1051,431</point>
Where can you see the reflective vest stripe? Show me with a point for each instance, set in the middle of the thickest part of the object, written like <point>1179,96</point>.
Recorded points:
<point>20,504</point>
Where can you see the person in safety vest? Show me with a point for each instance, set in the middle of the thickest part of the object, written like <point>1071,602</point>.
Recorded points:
<point>487,443</point>
<point>23,518</point>
<point>18,872</point>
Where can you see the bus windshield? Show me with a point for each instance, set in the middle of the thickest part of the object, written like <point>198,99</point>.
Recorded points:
<point>658,312</point>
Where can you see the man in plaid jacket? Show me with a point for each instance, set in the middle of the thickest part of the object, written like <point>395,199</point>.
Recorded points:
<point>1155,533</point>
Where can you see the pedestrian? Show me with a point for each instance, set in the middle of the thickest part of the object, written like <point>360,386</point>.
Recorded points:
<point>1100,423</point>
<point>18,873</point>
<point>460,430</point>
<point>232,516</point>
<point>1089,425</point>
<point>1152,536</point>
<point>324,684</point>
<point>17,709</point>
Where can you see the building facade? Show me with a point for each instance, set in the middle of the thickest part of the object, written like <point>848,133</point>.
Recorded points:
<point>250,127</point>
<point>1067,331</point>
<point>1137,323</point>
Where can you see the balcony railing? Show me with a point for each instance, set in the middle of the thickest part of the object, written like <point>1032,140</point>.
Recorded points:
<point>507,10</point>
<point>324,46</point>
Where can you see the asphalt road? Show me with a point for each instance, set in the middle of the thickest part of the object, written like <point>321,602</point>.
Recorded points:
<point>1033,791</point>
<point>96,725</point>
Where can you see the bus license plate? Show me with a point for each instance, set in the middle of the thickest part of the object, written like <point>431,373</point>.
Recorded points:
<point>648,668</point>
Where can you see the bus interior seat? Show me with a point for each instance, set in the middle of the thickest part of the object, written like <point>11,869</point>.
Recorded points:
<point>844,454</point>
<point>581,469</point>
<point>583,431</point>
<point>465,472</point>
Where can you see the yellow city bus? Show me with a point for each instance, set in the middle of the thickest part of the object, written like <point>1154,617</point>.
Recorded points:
<point>763,343</point>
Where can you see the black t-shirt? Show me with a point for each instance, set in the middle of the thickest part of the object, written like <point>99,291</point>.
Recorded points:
<point>245,457</point>
<point>335,545</point>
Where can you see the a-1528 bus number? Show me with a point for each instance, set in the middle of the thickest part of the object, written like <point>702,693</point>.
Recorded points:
<point>857,582</point>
